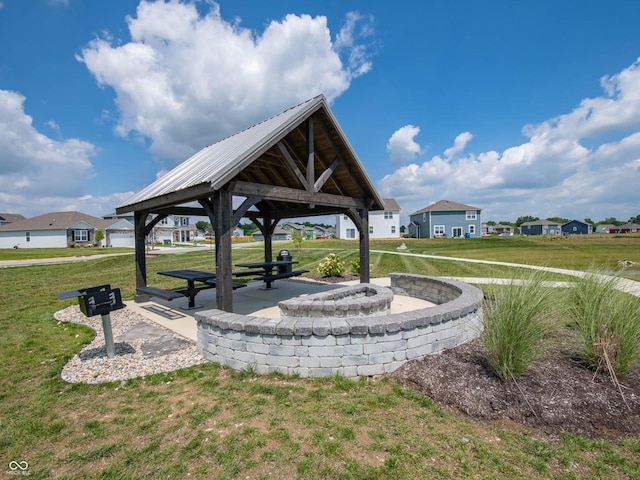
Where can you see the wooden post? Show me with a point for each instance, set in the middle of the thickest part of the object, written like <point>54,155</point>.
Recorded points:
<point>223,212</point>
<point>140,219</point>
<point>364,245</point>
<point>267,232</point>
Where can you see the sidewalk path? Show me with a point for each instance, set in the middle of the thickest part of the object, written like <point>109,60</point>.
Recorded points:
<point>624,284</point>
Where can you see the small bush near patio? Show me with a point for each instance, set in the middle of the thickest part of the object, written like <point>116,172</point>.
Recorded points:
<point>608,324</point>
<point>515,322</point>
<point>332,266</point>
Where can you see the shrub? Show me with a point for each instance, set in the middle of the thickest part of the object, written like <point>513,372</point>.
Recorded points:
<point>355,266</point>
<point>608,324</point>
<point>515,321</point>
<point>331,266</point>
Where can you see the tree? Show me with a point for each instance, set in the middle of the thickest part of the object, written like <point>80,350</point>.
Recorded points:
<point>99,236</point>
<point>558,219</point>
<point>525,218</point>
<point>203,226</point>
<point>296,237</point>
<point>248,228</point>
<point>491,223</point>
<point>611,221</point>
<point>635,219</point>
<point>588,220</point>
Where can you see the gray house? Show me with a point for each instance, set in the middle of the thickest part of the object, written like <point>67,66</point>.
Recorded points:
<point>540,227</point>
<point>576,227</point>
<point>65,229</point>
<point>446,219</point>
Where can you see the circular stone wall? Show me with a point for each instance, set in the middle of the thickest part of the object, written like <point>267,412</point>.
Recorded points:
<point>352,346</point>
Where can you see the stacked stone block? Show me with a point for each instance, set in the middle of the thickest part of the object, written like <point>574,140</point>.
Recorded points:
<point>350,346</point>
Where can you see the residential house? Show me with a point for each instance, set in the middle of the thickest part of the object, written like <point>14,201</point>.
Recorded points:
<point>308,233</point>
<point>446,219</point>
<point>497,229</point>
<point>10,217</point>
<point>279,233</point>
<point>171,229</point>
<point>626,228</point>
<point>604,228</point>
<point>65,229</point>
<point>382,223</point>
<point>540,227</point>
<point>576,227</point>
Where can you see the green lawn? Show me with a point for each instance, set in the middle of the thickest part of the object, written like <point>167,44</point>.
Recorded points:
<point>210,422</point>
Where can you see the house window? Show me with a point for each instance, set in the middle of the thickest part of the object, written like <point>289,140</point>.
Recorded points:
<point>393,229</point>
<point>575,229</point>
<point>424,217</point>
<point>388,215</point>
<point>472,215</point>
<point>80,235</point>
<point>185,221</point>
<point>472,229</point>
<point>351,233</point>
<point>27,236</point>
<point>345,217</point>
<point>371,230</point>
<point>164,221</point>
<point>438,230</point>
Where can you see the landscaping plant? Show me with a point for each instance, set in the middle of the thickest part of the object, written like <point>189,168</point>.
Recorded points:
<point>608,324</point>
<point>332,266</point>
<point>515,322</point>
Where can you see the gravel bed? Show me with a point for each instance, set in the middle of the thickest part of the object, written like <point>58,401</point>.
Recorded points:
<point>133,358</point>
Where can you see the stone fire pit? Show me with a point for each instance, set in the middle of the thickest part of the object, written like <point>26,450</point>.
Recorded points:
<point>353,301</point>
<point>348,331</point>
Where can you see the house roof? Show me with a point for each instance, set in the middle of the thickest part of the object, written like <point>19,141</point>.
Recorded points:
<point>56,221</point>
<point>272,153</point>
<point>538,222</point>
<point>11,217</point>
<point>390,204</point>
<point>575,221</point>
<point>446,206</point>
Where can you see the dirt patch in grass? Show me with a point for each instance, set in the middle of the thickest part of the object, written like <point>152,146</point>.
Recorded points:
<point>558,395</point>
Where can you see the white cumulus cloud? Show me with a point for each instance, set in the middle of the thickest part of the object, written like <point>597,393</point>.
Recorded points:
<point>402,147</point>
<point>185,80</point>
<point>34,166</point>
<point>561,170</point>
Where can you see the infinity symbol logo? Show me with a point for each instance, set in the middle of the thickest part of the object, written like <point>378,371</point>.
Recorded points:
<point>18,465</point>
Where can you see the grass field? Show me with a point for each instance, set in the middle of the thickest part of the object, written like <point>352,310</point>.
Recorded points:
<point>210,422</point>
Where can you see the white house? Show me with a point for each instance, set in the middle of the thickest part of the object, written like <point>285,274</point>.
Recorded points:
<point>382,223</point>
<point>65,229</point>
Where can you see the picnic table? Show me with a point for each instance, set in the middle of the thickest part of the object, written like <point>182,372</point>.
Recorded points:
<point>192,276</point>
<point>264,271</point>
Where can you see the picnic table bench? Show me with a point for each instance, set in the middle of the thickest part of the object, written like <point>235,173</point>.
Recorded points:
<point>264,271</point>
<point>206,280</point>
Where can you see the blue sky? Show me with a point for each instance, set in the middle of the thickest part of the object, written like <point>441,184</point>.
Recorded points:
<point>519,108</point>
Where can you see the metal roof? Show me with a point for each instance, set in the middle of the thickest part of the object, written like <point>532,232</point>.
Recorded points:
<point>214,166</point>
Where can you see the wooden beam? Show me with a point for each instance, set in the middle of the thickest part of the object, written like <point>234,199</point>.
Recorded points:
<point>180,210</point>
<point>325,175</point>
<point>292,195</point>
<point>336,150</point>
<point>139,224</point>
<point>293,167</point>
<point>244,208</point>
<point>223,212</point>
<point>170,199</point>
<point>311,174</point>
<point>364,246</point>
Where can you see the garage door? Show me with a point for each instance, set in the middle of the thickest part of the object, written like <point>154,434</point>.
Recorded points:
<point>124,239</point>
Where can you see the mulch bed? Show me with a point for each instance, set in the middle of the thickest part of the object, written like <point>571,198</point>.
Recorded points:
<point>558,395</point>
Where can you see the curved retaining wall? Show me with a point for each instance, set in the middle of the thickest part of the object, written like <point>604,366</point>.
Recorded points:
<point>349,346</point>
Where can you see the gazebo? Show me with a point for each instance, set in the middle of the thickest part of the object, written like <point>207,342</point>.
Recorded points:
<point>295,164</point>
